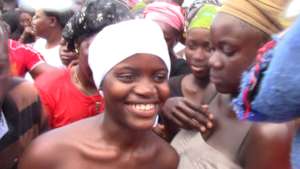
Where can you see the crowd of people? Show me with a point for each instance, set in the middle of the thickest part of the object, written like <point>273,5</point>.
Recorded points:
<point>149,84</point>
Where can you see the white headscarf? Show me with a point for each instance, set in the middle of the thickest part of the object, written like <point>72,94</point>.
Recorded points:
<point>122,40</point>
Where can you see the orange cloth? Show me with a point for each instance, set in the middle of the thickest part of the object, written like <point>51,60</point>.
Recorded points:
<point>265,15</point>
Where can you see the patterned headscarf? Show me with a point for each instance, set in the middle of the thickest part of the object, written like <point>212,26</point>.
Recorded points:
<point>93,17</point>
<point>204,17</point>
<point>198,4</point>
<point>265,15</point>
<point>166,12</point>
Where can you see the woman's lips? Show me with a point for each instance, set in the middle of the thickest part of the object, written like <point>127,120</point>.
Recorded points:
<point>197,68</point>
<point>215,79</point>
<point>144,110</point>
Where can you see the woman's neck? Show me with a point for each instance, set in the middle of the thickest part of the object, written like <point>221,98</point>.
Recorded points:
<point>122,136</point>
<point>202,83</point>
<point>53,39</point>
<point>85,84</point>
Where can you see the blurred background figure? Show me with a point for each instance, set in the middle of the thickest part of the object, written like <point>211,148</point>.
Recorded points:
<point>25,19</point>
<point>21,117</point>
<point>170,17</point>
<point>76,81</point>
<point>47,24</point>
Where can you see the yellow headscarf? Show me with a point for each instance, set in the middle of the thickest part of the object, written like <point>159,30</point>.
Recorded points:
<point>265,15</point>
<point>204,17</point>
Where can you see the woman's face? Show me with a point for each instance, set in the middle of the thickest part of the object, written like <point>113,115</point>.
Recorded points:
<point>41,23</point>
<point>83,49</point>
<point>25,19</point>
<point>134,91</point>
<point>235,44</point>
<point>66,55</point>
<point>198,51</point>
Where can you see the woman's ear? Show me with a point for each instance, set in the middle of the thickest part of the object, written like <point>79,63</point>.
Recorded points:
<point>53,21</point>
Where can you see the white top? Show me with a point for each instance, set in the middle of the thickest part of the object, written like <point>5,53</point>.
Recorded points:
<point>51,55</point>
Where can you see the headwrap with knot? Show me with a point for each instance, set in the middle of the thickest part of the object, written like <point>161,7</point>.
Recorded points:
<point>265,15</point>
<point>166,12</point>
<point>204,17</point>
<point>139,36</point>
<point>198,4</point>
<point>93,17</point>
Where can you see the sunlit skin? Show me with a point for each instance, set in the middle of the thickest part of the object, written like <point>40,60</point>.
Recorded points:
<point>122,137</point>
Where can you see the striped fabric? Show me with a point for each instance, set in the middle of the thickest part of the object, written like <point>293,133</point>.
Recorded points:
<point>24,124</point>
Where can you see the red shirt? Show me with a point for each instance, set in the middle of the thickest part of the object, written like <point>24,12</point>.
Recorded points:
<point>64,102</point>
<point>22,58</point>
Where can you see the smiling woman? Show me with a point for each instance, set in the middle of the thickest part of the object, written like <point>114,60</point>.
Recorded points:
<point>138,89</point>
<point>134,85</point>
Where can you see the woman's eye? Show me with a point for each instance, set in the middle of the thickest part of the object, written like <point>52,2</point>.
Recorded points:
<point>160,77</point>
<point>127,78</point>
<point>228,50</point>
<point>207,47</point>
<point>191,46</point>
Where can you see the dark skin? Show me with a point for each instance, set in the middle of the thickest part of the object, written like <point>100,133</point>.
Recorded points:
<point>171,36</point>
<point>81,75</point>
<point>186,112</point>
<point>25,21</point>
<point>127,86</point>
<point>235,45</point>
<point>40,69</point>
<point>46,27</point>
<point>82,70</point>
<point>67,56</point>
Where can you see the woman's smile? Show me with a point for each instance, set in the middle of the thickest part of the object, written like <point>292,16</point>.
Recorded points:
<point>147,110</point>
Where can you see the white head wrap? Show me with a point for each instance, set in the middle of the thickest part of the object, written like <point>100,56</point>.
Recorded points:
<point>122,40</point>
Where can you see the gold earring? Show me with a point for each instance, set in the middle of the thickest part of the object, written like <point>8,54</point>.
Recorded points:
<point>77,51</point>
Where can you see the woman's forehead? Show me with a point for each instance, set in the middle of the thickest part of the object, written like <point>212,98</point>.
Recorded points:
<point>227,26</point>
<point>141,58</point>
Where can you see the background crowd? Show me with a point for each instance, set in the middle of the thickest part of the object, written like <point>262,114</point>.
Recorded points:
<point>151,84</point>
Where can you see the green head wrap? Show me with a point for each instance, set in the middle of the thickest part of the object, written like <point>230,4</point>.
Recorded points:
<point>204,17</point>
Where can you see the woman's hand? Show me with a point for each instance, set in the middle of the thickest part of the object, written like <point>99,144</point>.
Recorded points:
<point>187,115</point>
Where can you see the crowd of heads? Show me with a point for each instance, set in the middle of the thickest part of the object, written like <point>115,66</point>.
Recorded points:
<point>125,51</point>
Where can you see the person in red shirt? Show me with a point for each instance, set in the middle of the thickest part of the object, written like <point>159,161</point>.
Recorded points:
<point>69,95</point>
<point>25,59</point>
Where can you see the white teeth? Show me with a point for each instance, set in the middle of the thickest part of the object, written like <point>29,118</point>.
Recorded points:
<point>143,107</point>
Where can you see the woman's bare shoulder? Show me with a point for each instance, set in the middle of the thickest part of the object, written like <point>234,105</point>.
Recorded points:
<point>268,145</point>
<point>49,149</point>
<point>167,156</point>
